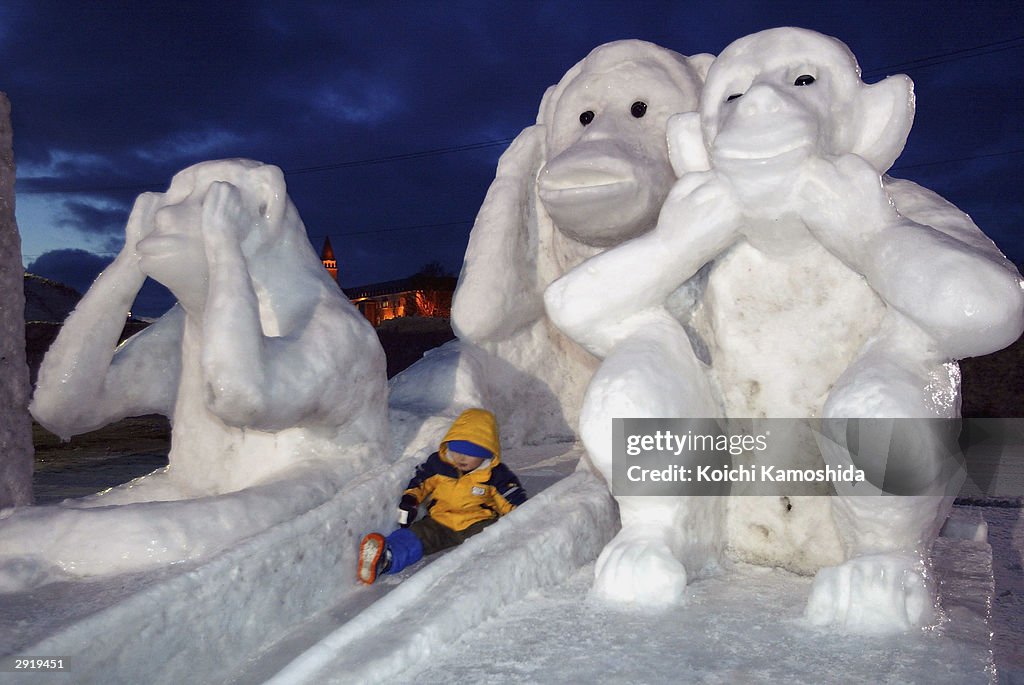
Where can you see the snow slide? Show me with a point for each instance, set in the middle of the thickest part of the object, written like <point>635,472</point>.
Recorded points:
<point>192,623</point>
<point>235,618</point>
<point>546,540</point>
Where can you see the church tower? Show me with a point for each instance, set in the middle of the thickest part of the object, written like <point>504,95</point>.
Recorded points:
<point>327,257</point>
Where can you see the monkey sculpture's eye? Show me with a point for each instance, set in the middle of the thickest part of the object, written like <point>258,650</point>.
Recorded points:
<point>804,80</point>
<point>733,97</point>
<point>586,117</point>
<point>638,109</point>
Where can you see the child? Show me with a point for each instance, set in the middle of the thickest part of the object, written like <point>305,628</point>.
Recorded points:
<point>469,486</point>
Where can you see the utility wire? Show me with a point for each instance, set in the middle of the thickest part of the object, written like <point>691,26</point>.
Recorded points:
<point>929,61</point>
<point>301,170</point>
<point>449,224</point>
<point>957,160</point>
<point>395,158</point>
<point>375,231</point>
<point>921,62</point>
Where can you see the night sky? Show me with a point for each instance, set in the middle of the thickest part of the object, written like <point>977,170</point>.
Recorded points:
<point>388,117</point>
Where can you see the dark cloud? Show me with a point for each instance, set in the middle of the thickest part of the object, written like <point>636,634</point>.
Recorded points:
<point>110,99</point>
<point>89,218</point>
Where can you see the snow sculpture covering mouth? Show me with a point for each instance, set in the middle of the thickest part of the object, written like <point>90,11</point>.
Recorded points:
<point>822,288</point>
<point>274,383</point>
<point>592,172</point>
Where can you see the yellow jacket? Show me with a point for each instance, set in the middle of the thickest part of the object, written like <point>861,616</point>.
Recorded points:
<point>461,499</point>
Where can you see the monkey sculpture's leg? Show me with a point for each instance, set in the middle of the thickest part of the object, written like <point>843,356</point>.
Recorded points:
<point>885,583</point>
<point>653,373</point>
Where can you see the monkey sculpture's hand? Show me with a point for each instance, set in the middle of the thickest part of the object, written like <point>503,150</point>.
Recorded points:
<point>844,204</point>
<point>140,224</point>
<point>224,216</point>
<point>701,218</point>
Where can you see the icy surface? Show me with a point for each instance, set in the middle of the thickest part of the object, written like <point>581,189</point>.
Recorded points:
<point>15,425</point>
<point>537,546</point>
<point>744,626</point>
<point>169,625</point>
<point>248,611</point>
<point>788,277</point>
<point>274,383</point>
<point>1005,526</point>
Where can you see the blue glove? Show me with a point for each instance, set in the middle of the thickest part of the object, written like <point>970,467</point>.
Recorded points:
<point>407,510</point>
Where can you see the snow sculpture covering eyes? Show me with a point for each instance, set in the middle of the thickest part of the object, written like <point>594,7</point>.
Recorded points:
<point>592,172</point>
<point>274,383</point>
<point>822,288</point>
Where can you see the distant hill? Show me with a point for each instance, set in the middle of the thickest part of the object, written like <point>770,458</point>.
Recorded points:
<point>47,300</point>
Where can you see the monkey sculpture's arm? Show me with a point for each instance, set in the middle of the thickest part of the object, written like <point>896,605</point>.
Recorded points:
<point>86,381</point>
<point>970,302</point>
<point>498,292</point>
<point>603,300</point>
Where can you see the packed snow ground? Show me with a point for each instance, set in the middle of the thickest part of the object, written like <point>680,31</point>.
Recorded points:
<point>742,627</point>
<point>542,628</point>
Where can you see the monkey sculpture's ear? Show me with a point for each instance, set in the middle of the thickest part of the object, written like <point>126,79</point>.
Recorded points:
<point>885,113</point>
<point>548,103</point>
<point>701,63</point>
<point>499,291</point>
<point>546,113</point>
<point>686,150</point>
<point>268,181</point>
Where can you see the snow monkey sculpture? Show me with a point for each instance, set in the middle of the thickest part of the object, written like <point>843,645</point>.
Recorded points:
<point>592,172</point>
<point>274,383</point>
<point>823,289</point>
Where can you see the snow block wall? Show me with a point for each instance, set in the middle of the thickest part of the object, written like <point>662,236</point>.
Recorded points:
<point>203,623</point>
<point>15,424</point>
<point>538,546</point>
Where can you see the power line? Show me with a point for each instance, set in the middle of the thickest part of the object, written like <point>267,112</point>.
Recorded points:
<point>419,154</point>
<point>391,229</point>
<point>395,158</point>
<point>928,61</point>
<point>957,160</point>
<point>448,224</point>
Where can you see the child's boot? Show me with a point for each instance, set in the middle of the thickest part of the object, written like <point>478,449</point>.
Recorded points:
<point>374,557</point>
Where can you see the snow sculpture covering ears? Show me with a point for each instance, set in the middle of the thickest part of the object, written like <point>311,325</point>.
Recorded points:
<point>274,383</point>
<point>591,173</point>
<point>820,288</point>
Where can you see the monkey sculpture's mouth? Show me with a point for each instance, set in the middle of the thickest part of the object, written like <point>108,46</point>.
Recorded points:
<point>602,212</point>
<point>591,189</point>
<point>587,192</point>
<point>601,193</point>
<point>583,174</point>
<point>757,143</point>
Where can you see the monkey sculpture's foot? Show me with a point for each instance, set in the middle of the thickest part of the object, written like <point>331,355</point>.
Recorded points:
<point>877,593</point>
<point>637,567</point>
